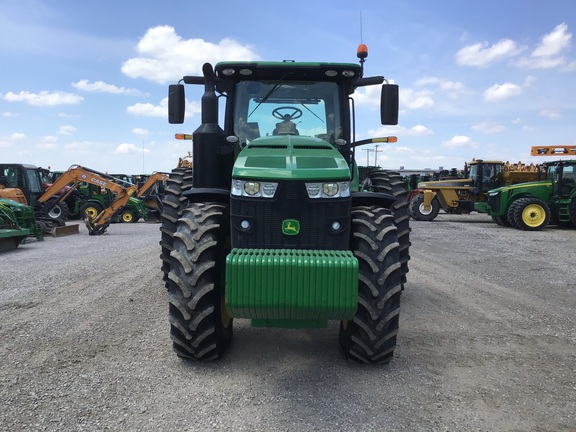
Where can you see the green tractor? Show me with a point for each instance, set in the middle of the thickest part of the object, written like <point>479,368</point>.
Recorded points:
<point>98,198</point>
<point>531,206</point>
<point>272,223</point>
<point>17,222</point>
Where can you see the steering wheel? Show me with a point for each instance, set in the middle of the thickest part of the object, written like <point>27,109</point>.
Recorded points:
<point>296,113</point>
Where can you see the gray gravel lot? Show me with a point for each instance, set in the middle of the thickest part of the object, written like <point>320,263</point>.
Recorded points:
<point>487,343</point>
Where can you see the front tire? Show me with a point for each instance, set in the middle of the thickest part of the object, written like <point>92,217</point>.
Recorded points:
<point>127,217</point>
<point>370,337</point>
<point>418,212</point>
<point>200,326</point>
<point>529,214</point>
<point>501,221</point>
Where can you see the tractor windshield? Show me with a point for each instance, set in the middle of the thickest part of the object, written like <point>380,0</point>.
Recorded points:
<point>287,108</point>
<point>486,176</point>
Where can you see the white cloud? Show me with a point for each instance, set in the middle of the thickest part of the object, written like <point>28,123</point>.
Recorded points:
<point>148,110</point>
<point>17,136</point>
<point>165,56</point>
<point>548,53</point>
<point>44,98</point>
<point>140,132</point>
<point>411,99</point>
<point>453,88</point>
<point>368,96</point>
<point>48,142</point>
<point>501,92</point>
<point>417,130</point>
<point>102,87</point>
<point>550,114</point>
<point>488,127</point>
<point>481,55</point>
<point>130,148</point>
<point>161,110</point>
<point>554,42</point>
<point>458,141</point>
<point>67,130</point>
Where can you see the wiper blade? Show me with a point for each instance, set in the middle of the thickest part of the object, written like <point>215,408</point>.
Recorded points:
<point>265,98</point>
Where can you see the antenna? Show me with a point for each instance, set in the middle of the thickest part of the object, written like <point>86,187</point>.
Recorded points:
<point>362,51</point>
<point>361,40</point>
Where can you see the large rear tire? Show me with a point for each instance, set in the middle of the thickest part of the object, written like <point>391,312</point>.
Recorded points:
<point>179,181</point>
<point>529,214</point>
<point>391,182</point>
<point>200,326</point>
<point>417,211</point>
<point>370,337</point>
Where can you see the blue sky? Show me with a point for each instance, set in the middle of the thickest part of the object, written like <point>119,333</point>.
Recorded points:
<point>86,82</point>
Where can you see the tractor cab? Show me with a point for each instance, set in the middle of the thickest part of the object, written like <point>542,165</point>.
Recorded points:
<point>562,174</point>
<point>485,175</point>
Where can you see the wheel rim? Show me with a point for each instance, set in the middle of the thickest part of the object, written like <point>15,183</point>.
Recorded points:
<point>55,212</point>
<point>533,215</point>
<point>127,217</point>
<point>91,212</point>
<point>425,212</point>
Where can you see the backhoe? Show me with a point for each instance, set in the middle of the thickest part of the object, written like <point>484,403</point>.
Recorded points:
<point>98,218</point>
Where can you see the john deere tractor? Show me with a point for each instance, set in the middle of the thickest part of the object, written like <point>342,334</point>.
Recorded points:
<point>271,223</point>
<point>531,206</point>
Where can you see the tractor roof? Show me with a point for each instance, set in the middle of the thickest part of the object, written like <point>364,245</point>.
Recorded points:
<point>288,70</point>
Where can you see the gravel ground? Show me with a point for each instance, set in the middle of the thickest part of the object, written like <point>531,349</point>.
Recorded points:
<point>487,343</point>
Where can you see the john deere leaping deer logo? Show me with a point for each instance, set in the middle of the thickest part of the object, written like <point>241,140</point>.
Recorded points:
<point>290,227</point>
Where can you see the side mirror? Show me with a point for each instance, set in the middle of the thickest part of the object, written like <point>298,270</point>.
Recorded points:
<point>176,104</point>
<point>389,104</point>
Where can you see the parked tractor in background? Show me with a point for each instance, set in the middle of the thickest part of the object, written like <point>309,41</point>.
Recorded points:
<point>23,183</point>
<point>461,196</point>
<point>151,193</point>
<point>17,222</point>
<point>275,226</point>
<point>531,206</point>
<point>110,201</point>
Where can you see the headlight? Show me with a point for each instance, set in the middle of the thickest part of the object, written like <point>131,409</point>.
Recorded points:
<point>328,190</point>
<point>254,188</point>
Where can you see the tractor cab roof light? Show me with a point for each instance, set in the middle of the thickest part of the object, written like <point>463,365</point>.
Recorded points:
<point>228,71</point>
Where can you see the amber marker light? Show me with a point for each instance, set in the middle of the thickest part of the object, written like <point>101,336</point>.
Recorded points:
<point>362,51</point>
<point>183,136</point>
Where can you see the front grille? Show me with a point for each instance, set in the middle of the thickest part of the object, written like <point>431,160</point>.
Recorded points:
<point>494,202</point>
<point>315,217</point>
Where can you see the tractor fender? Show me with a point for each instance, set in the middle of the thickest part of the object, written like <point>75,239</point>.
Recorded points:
<point>200,195</point>
<point>379,199</point>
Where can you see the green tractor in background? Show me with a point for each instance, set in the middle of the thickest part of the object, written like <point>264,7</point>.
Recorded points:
<point>272,222</point>
<point>98,198</point>
<point>531,206</point>
<point>17,222</point>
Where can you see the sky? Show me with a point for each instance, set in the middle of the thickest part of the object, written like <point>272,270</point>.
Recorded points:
<point>86,82</point>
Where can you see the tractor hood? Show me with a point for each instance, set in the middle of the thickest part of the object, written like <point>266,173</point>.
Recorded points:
<point>289,157</point>
<point>542,185</point>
